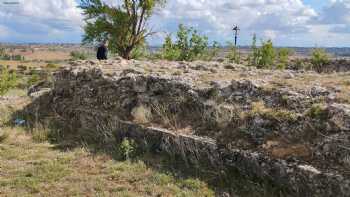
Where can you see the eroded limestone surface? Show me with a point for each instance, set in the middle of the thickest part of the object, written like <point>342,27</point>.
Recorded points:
<point>291,128</point>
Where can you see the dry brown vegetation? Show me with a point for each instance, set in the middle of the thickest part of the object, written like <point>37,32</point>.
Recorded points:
<point>31,166</point>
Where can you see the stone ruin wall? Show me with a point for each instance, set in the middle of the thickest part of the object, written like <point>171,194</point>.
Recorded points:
<point>86,99</point>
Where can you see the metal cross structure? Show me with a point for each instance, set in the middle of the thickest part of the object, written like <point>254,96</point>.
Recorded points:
<point>236,30</point>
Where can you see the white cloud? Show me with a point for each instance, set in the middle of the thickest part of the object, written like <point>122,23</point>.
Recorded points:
<point>267,18</point>
<point>277,15</point>
<point>287,22</point>
<point>41,18</point>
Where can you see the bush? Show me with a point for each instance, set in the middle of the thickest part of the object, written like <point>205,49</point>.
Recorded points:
<point>319,58</point>
<point>282,57</point>
<point>170,51</point>
<point>267,55</point>
<point>318,111</point>
<point>76,55</point>
<point>253,58</point>
<point>189,45</point>
<point>127,148</point>
<point>7,81</point>
<point>33,79</point>
<point>139,52</point>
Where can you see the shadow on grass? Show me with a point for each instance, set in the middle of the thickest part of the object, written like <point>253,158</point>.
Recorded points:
<point>67,134</point>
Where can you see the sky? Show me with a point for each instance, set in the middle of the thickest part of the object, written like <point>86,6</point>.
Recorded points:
<point>300,23</point>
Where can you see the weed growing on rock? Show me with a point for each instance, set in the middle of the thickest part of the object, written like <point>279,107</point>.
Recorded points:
<point>318,111</point>
<point>280,115</point>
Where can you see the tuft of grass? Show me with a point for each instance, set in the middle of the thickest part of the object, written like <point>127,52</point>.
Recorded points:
<point>40,135</point>
<point>318,111</point>
<point>167,118</point>
<point>3,136</point>
<point>141,114</point>
<point>280,115</point>
<point>52,66</point>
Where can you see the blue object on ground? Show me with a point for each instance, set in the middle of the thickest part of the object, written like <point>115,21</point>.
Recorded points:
<point>19,122</point>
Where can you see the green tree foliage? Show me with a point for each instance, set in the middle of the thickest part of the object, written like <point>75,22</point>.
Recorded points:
<point>319,58</point>
<point>7,81</point>
<point>189,45</point>
<point>170,51</point>
<point>233,55</point>
<point>124,26</point>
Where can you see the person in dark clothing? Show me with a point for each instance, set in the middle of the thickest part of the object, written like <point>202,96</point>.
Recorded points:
<point>102,52</point>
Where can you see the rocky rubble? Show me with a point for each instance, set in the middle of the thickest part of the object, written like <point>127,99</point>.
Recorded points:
<point>226,116</point>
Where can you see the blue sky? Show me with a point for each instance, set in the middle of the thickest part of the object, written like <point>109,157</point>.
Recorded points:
<point>287,22</point>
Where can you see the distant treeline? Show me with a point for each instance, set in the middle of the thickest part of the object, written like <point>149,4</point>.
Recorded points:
<point>5,56</point>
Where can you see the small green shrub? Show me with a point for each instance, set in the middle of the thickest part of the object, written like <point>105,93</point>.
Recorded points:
<point>282,57</point>
<point>267,55</point>
<point>280,115</point>
<point>33,79</point>
<point>253,58</point>
<point>7,81</point>
<point>263,57</point>
<point>170,50</point>
<point>319,58</point>
<point>76,55</point>
<point>127,149</point>
<point>140,52</point>
<point>318,111</point>
<point>189,45</point>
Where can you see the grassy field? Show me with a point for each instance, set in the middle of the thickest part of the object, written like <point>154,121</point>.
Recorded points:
<point>31,166</point>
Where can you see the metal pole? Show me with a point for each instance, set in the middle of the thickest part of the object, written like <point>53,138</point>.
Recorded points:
<point>235,38</point>
<point>236,29</point>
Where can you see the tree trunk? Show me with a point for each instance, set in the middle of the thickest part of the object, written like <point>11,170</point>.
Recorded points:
<point>126,54</point>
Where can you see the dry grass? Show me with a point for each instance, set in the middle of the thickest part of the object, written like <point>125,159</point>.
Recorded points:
<point>141,114</point>
<point>48,55</point>
<point>30,166</point>
<point>38,169</point>
<point>15,64</point>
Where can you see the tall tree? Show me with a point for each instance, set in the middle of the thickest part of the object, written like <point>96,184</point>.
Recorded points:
<point>123,25</point>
